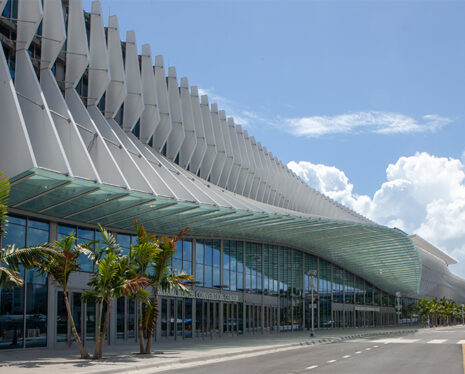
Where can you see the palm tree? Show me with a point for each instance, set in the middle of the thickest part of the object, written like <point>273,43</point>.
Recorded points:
<point>113,278</point>
<point>60,266</point>
<point>164,279</point>
<point>151,258</point>
<point>142,255</point>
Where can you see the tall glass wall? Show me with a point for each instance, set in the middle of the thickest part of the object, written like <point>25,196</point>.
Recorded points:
<point>270,271</point>
<point>253,267</point>
<point>208,262</point>
<point>324,292</point>
<point>23,310</point>
<point>232,265</point>
<point>182,259</point>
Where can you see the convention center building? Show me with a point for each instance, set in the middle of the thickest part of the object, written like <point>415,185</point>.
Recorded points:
<point>94,129</point>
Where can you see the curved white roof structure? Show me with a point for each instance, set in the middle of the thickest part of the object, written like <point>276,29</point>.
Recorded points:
<point>112,137</point>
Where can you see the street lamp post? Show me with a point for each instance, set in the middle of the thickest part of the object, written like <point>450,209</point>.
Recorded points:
<point>312,274</point>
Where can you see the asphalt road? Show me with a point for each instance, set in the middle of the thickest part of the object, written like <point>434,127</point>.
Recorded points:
<point>427,351</point>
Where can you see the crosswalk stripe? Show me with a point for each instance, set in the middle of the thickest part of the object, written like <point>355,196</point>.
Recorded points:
<point>437,341</point>
<point>395,340</point>
<point>461,341</point>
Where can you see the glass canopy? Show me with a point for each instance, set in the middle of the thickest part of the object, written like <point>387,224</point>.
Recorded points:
<point>386,257</point>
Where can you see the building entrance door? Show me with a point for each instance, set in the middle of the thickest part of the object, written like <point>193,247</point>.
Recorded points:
<point>176,318</point>
<point>207,318</point>
<point>230,324</point>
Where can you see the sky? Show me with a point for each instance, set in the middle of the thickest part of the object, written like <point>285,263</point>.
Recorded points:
<point>365,100</point>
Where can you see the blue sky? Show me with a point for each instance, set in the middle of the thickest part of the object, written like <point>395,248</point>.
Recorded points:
<point>353,86</point>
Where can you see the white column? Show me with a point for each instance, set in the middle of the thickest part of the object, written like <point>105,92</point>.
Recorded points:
<point>201,147</point>
<point>176,136</point>
<point>218,164</point>
<point>117,89</point>
<point>190,140</point>
<point>210,155</point>
<point>99,65</point>
<point>134,102</point>
<point>163,128</point>
<point>150,116</point>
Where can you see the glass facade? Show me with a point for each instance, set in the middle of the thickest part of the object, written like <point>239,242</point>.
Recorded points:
<point>208,262</point>
<point>233,265</point>
<point>23,310</point>
<point>287,276</point>
<point>182,259</point>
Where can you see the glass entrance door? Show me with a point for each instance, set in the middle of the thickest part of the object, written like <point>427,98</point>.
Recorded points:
<point>230,324</point>
<point>176,318</point>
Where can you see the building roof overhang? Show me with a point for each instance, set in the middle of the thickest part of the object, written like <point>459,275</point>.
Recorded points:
<point>383,256</point>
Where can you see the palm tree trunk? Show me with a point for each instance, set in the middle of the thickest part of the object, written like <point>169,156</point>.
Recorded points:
<point>82,349</point>
<point>97,333</point>
<point>105,327</point>
<point>141,329</point>
<point>152,323</point>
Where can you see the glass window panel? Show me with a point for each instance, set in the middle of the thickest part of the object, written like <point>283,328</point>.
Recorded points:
<point>208,252</point>
<point>187,267</point>
<point>187,250</point>
<point>131,318</point>
<point>90,320</point>
<point>208,276</point>
<point>216,276</point>
<point>65,230</point>
<point>125,242</point>
<point>199,273</point>
<point>85,236</point>
<point>233,284</point>
<point>16,233</point>
<point>178,253</point>
<point>216,253</point>
<point>240,281</point>
<point>199,252</point>
<point>120,318</point>
<point>177,265</point>
<point>11,317</point>
<point>62,318</point>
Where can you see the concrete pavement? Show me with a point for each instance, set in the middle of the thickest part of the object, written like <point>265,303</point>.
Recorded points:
<point>169,354</point>
<point>427,351</point>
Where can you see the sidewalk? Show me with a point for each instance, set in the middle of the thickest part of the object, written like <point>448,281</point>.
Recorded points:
<point>124,358</point>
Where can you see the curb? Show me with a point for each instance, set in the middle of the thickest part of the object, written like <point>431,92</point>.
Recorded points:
<point>327,340</point>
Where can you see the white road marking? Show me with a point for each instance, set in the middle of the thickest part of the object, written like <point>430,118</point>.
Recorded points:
<point>395,340</point>
<point>358,352</point>
<point>346,356</point>
<point>461,342</point>
<point>311,367</point>
<point>331,361</point>
<point>367,349</point>
<point>375,346</point>
<point>437,341</point>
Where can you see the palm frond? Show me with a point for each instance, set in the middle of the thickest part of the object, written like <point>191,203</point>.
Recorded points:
<point>134,285</point>
<point>109,240</point>
<point>4,195</point>
<point>10,278</point>
<point>27,257</point>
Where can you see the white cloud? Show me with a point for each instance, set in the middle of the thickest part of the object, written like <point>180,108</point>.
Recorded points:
<point>363,122</point>
<point>422,194</point>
